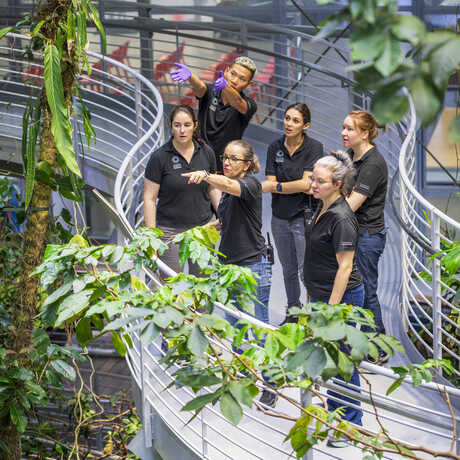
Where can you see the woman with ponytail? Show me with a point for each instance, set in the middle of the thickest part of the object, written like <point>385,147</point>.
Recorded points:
<point>367,200</point>
<point>331,275</point>
<point>179,207</point>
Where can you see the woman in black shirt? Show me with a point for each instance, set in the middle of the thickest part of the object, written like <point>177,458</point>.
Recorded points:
<point>180,207</point>
<point>290,161</point>
<point>331,275</point>
<point>367,200</point>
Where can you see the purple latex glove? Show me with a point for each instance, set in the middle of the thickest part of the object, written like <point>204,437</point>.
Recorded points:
<point>181,74</point>
<point>220,83</point>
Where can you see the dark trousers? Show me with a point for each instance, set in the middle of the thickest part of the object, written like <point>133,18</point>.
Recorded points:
<point>370,248</point>
<point>355,297</point>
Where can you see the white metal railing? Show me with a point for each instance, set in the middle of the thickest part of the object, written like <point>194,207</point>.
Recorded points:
<point>431,317</point>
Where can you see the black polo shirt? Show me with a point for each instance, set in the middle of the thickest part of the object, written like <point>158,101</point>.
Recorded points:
<point>221,123</point>
<point>371,181</point>
<point>288,168</point>
<point>336,230</point>
<point>181,205</point>
<point>241,237</point>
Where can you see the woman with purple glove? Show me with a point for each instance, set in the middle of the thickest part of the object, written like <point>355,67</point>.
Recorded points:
<point>224,110</point>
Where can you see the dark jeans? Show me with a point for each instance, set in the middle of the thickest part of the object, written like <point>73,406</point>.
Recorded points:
<point>264,270</point>
<point>353,296</point>
<point>370,248</point>
<point>289,237</point>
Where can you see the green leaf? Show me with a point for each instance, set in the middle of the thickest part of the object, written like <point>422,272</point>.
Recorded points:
<point>396,384</point>
<point>84,332</point>
<point>200,401</point>
<point>358,341</point>
<point>18,417</point>
<point>408,27</point>
<point>95,17</point>
<point>197,342</point>
<point>231,408</point>
<point>444,61</point>
<point>390,58</point>
<point>63,368</point>
<point>366,43</point>
<point>271,346</point>
<point>334,330</point>
<point>296,359</point>
<point>118,324</point>
<point>58,293</point>
<point>287,341</point>
<point>72,306</point>
<point>387,106</point>
<point>149,333</point>
<point>241,393</point>
<point>315,363</point>
<point>118,343</point>
<point>345,366</point>
<point>60,124</point>
<point>454,130</point>
<point>370,9</point>
<point>6,30</point>
<point>427,101</point>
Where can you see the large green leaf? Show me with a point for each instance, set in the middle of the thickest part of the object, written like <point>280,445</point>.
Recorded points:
<point>335,330</point>
<point>84,332</point>
<point>241,393</point>
<point>63,368</point>
<point>408,27</point>
<point>358,341</point>
<point>72,305</point>
<point>118,343</point>
<point>149,333</point>
<point>315,363</point>
<point>231,408</point>
<point>388,106</point>
<point>60,123</point>
<point>197,342</point>
<point>427,101</point>
<point>200,401</point>
<point>95,17</point>
<point>390,58</point>
<point>18,417</point>
<point>296,359</point>
<point>445,61</point>
<point>366,43</point>
<point>271,345</point>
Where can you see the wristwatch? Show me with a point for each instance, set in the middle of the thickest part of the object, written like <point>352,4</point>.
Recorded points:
<point>279,188</point>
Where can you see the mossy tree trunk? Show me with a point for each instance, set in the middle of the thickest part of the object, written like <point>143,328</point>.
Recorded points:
<point>37,223</point>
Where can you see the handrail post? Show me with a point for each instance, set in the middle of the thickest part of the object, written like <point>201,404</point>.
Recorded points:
<point>436,288</point>
<point>146,418</point>
<point>306,400</point>
<point>204,434</point>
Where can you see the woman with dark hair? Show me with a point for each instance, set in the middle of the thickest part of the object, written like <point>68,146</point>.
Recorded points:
<point>331,275</point>
<point>367,200</point>
<point>240,220</point>
<point>179,207</point>
<point>290,161</point>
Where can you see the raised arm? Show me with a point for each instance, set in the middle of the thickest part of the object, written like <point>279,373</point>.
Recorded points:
<point>219,182</point>
<point>183,74</point>
<point>230,95</point>
<point>302,185</point>
<point>151,190</point>
<point>345,261</point>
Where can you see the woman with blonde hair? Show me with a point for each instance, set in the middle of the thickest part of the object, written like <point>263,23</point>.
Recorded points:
<point>367,200</point>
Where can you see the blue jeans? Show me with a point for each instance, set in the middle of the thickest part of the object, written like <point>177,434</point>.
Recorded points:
<point>353,296</point>
<point>264,283</point>
<point>289,237</point>
<point>368,252</point>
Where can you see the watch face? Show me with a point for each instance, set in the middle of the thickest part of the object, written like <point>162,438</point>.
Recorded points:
<point>278,187</point>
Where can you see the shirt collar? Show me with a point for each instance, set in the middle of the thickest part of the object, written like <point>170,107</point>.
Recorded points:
<point>366,156</point>
<point>303,145</point>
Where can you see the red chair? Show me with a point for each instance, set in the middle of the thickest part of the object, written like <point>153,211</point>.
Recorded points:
<point>166,62</point>
<point>33,74</point>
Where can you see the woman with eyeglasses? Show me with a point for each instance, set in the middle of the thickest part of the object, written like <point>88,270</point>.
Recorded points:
<point>240,220</point>
<point>290,161</point>
<point>169,202</point>
<point>331,234</point>
<point>367,200</point>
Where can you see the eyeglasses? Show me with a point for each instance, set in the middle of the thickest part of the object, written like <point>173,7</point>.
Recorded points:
<point>231,159</point>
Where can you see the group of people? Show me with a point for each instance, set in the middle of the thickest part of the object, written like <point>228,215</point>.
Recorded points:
<point>327,210</point>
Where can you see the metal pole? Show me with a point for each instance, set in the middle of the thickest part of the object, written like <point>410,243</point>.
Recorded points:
<point>204,434</point>
<point>306,400</point>
<point>146,43</point>
<point>436,288</point>
<point>146,418</point>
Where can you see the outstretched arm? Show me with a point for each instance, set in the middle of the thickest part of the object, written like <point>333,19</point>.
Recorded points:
<point>219,182</point>
<point>183,74</point>
<point>232,96</point>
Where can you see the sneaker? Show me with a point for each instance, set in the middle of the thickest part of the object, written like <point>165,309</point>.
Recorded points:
<point>268,398</point>
<point>336,443</point>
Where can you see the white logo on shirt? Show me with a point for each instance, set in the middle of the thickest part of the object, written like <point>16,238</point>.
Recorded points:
<point>214,103</point>
<point>176,162</point>
<point>279,156</point>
